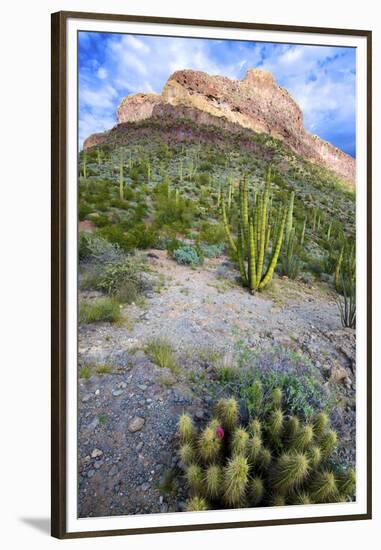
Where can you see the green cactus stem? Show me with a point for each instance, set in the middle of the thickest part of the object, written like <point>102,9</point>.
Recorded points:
<point>195,478</point>
<point>324,487</point>
<point>187,454</point>
<point>232,244</point>
<point>256,490</point>
<point>209,445</point>
<point>121,178</point>
<point>186,428</point>
<point>254,447</point>
<point>302,236</point>
<point>214,481</point>
<point>239,441</point>
<point>290,471</point>
<point>320,423</point>
<point>236,478</point>
<point>196,504</point>
<point>227,413</point>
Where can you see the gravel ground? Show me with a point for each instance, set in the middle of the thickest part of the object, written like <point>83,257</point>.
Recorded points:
<point>127,417</point>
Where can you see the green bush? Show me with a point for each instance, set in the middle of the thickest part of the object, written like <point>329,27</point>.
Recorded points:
<point>175,211</point>
<point>102,309</point>
<point>95,247</point>
<point>188,255</point>
<point>115,235</point>
<point>83,211</point>
<point>173,245</point>
<point>123,279</point>
<point>273,460</point>
<point>212,250</point>
<point>212,233</point>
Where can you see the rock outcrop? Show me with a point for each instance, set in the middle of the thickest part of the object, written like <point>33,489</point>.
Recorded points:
<point>255,103</point>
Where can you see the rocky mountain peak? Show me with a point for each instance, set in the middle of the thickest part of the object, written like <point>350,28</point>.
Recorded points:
<point>256,103</point>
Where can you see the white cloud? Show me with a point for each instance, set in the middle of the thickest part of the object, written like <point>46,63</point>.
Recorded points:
<point>102,73</point>
<point>316,76</point>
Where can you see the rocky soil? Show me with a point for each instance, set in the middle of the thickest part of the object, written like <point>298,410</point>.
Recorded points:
<point>127,415</point>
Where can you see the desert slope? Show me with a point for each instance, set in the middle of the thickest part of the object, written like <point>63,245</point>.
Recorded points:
<point>255,103</point>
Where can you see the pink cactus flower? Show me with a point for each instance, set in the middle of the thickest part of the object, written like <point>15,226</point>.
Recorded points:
<point>220,432</point>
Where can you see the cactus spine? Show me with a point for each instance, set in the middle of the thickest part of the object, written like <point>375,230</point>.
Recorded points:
<point>273,461</point>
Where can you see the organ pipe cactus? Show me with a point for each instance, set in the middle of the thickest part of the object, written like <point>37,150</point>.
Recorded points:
<point>302,236</point>
<point>121,178</point>
<point>84,164</point>
<point>275,460</point>
<point>256,261</point>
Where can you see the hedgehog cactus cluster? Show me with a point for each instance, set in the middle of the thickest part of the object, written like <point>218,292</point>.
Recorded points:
<point>275,460</point>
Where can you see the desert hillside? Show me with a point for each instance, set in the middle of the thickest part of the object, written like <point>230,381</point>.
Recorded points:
<point>255,103</point>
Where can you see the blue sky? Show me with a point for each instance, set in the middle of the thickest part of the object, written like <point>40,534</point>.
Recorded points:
<point>320,78</point>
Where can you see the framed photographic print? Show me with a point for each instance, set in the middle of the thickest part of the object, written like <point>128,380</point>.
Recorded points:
<point>211,302</point>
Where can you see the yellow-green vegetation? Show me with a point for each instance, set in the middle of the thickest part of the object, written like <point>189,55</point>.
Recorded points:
<point>161,353</point>
<point>101,309</point>
<point>275,460</point>
<point>95,368</point>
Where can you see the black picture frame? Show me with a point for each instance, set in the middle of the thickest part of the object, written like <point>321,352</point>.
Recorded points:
<point>59,267</point>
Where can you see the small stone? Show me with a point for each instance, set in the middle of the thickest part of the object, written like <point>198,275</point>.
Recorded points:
<point>348,382</point>
<point>145,487</point>
<point>199,414</point>
<point>139,447</point>
<point>338,373</point>
<point>142,387</point>
<point>94,423</point>
<point>122,385</point>
<point>96,452</point>
<point>86,397</point>
<point>90,473</point>
<point>97,392</point>
<point>161,499</point>
<point>98,464</point>
<point>113,471</point>
<point>116,393</point>
<point>136,424</point>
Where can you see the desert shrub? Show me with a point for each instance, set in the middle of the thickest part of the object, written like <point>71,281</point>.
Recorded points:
<point>347,302</point>
<point>212,250</point>
<point>275,459</point>
<point>102,309</point>
<point>173,245</point>
<point>306,277</point>
<point>95,247</point>
<point>83,211</point>
<point>300,382</point>
<point>172,210</point>
<point>100,220</point>
<point>123,279</point>
<point>161,353</point>
<point>212,233</point>
<point>115,234</point>
<point>188,255</point>
<point>142,237</point>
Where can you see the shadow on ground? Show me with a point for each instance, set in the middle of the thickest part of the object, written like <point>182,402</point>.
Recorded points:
<point>40,524</point>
